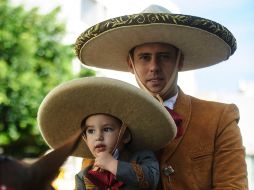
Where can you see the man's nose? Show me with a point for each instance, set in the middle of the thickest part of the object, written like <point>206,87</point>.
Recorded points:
<point>154,64</point>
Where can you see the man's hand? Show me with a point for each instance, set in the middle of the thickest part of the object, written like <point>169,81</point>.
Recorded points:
<point>106,161</point>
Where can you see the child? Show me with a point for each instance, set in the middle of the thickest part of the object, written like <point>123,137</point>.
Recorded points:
<point>120,123</point>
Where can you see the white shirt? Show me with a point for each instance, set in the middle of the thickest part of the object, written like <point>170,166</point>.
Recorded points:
<point>170,102</point>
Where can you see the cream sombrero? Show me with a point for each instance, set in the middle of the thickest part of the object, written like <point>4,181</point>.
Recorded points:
<point>63,109</point>
<point>203,42</point>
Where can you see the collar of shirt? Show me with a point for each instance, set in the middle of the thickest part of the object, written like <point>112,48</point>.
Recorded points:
<point>170,102</point>
<point>116,154</point>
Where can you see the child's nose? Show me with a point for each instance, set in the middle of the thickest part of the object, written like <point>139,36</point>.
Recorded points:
<point>99,136</point>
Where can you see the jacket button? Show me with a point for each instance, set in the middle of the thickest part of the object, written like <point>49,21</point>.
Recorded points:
<point>168,170</point>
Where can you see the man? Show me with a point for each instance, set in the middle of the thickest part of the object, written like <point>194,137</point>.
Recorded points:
<point>207,152</point>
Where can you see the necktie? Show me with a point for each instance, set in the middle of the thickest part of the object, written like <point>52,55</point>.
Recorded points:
<point>103,179</point>
<point>178,121</point>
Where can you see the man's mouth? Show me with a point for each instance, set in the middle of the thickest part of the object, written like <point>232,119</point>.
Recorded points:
<point>155,80</point>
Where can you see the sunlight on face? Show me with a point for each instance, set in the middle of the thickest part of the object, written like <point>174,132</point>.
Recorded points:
<point>154,64</point>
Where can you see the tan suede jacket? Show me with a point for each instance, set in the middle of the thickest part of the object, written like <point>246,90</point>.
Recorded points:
<point>210,154</point>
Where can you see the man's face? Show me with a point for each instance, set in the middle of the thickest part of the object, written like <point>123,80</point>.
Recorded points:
<point>154,64</point>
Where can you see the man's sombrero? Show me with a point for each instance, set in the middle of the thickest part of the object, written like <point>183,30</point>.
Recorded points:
<point>63,109</point>
<point>203,42</point>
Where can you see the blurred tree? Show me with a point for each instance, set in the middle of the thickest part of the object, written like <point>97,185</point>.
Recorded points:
<point>32,61</point>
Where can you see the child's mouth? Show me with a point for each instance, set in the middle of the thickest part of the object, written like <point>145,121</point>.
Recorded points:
<point>100,148</point>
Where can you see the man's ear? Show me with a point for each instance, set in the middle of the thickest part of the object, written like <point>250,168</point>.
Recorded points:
<point>180,65</point>
<point>130,66</point>
<point>126,137</point>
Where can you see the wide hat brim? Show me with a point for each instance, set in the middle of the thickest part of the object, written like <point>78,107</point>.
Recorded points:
<point>63,109</point>
<point>203,42</point>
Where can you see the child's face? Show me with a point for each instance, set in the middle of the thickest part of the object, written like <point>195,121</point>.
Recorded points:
<point>101,133</point>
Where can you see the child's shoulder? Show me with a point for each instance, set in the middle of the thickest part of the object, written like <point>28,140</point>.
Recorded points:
<point>144,151</point>
<point>138,155</point>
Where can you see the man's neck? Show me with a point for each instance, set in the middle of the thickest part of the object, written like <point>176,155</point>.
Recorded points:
<point>171,94</point>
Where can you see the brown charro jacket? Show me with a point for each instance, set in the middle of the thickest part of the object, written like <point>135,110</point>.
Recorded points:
<point>210,153</point>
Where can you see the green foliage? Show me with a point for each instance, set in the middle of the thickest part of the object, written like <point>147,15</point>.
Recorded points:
<point>32,61</point>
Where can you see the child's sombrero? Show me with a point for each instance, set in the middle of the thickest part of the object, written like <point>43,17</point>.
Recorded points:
<point>63,109</point>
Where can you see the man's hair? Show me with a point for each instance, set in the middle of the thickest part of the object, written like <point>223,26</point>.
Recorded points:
<point>131,52</point>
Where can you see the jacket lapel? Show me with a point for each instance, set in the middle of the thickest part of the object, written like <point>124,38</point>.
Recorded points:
<point>183,108</point>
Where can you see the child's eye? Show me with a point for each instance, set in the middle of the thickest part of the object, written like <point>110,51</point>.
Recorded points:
<point>90,131</point>
<point>108,129</point>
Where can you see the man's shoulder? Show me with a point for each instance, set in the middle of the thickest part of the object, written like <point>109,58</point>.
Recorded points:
<point>201,101</point>
<point>213,107</point>
<point>210,103</point>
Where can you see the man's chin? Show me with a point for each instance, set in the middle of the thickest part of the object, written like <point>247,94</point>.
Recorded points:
<point>155,89</point>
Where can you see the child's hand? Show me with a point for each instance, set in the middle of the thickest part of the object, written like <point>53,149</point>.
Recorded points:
<point>106,161</point>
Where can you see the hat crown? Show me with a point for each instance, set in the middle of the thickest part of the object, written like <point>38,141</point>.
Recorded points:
<point>155,9</point>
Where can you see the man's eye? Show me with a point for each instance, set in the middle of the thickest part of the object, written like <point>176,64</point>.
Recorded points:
<point>144,57</point>
<point>164,56</point>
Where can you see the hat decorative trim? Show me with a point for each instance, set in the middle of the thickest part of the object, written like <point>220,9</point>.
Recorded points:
<point>152,19</point>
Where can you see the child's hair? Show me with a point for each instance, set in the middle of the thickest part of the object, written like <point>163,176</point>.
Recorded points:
<point>83,122</point>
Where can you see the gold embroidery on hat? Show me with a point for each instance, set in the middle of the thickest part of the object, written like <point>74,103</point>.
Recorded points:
<point>160,18</point>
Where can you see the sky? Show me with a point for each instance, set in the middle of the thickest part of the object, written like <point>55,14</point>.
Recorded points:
<point>238,17</point>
